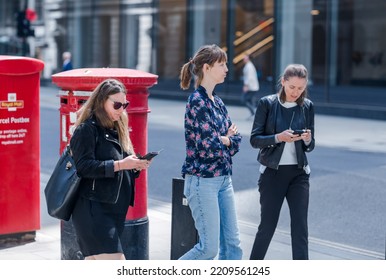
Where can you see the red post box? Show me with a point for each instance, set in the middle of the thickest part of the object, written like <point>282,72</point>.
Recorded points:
<point>19,145</point>
<point>76,86</point>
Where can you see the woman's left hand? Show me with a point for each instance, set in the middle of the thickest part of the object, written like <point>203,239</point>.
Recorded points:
<point>306,136</point>
<point>232,130</point>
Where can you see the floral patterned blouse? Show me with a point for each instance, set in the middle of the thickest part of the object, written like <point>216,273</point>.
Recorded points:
<point>205,122</point>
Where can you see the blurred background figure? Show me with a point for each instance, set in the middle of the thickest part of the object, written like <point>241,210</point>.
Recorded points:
<point>250,85</point>
<point>67,64</point>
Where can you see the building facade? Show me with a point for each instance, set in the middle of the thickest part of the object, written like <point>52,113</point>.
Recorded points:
<point>341,42</point>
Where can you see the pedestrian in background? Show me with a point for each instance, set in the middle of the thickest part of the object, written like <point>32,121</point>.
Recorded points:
<point>283,130</point>
<point>211,142</point>
<point>105,159</point>
<point>67,63</point>
<point>250,85</point>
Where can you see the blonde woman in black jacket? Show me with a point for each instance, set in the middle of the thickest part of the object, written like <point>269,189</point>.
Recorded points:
<point>105,159</point>
<point>283,131</point>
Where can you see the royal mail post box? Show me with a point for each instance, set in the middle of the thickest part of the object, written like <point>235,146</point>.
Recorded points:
<point>76,87</point>
<point>19,144</point>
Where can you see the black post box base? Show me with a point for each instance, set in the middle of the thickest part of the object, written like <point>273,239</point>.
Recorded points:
<point>135,240</point>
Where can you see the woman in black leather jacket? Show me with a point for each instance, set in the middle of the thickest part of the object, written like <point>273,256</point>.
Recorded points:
<point>283,131</point>
<point>104,158</point>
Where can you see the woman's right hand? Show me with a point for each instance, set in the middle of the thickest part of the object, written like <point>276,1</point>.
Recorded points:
<point>287,136</point>
<point>133,162</point>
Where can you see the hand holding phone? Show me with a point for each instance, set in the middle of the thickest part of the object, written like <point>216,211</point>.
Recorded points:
<point>150,155</point>
<point>299,132</point>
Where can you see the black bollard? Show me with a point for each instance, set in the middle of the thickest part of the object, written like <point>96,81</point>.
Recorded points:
<point>68,244</point>
<point>184,234</point>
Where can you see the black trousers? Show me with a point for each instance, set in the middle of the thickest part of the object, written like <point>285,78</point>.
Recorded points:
<point>248,99</point>
<point>291,183</point>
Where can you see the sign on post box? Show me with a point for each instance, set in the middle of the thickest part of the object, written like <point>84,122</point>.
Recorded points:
<point>70,103</point>
<point>19,144</point>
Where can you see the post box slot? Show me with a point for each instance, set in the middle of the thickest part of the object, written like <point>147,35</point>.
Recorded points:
<point>81,102</point>
<point>63,100</point>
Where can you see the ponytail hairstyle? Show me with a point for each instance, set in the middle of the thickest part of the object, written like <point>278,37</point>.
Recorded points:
<point>208,54</point>
<point>293,70</point>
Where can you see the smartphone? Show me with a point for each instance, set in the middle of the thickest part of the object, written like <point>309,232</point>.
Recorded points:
<point>150,155</point>
<point>299,132</point>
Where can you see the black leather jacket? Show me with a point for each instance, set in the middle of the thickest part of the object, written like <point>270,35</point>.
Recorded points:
<point>94,150</point>
<point>268,122</point>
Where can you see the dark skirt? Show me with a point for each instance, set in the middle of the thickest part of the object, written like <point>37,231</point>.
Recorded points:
<point>99,226</point>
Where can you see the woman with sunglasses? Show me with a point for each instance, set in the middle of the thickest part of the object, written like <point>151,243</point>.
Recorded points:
<point>105,159</point>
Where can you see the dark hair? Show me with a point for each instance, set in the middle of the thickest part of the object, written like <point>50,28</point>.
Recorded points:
<point>94,106</point>
<point>208,54</point>
<point>294,70</point>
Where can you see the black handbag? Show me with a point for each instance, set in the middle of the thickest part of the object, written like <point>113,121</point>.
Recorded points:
<point>61,190</point>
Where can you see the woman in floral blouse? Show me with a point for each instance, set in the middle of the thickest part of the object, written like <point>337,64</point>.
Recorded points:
<point>211,141</point>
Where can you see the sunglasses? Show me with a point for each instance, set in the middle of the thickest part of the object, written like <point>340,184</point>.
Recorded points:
<point>117,105</point>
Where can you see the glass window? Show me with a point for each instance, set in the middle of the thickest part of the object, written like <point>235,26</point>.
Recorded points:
<point>368,43</point>
<point>170,30</point>
<point>254,24</point>
<point>348,45</point>
<point>238,26</point>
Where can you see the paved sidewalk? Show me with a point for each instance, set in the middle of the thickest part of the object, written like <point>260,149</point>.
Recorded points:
<point>369,135</point>
<point>47,243</point>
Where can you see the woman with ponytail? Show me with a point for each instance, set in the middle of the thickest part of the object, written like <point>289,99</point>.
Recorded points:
<point>211,142</point>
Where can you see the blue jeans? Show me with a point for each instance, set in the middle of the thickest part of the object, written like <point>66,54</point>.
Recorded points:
<point>211,201</point>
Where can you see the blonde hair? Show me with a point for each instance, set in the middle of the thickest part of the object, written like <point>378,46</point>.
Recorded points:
<point>94,106</point>
<point>208,54</point>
